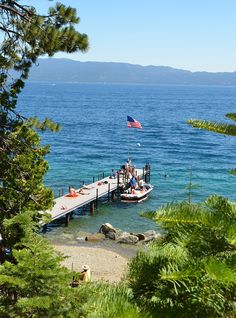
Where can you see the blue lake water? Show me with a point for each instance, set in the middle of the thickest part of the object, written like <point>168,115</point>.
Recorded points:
<point>94,139</point>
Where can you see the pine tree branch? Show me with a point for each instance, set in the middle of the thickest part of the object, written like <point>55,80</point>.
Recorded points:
<point>10,31</point>
<point>220,128</point>
<point>21,7</point>
<point>231,116</point>
<point>14,11</point>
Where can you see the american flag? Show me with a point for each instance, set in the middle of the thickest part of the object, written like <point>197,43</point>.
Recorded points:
<point>132,123</point>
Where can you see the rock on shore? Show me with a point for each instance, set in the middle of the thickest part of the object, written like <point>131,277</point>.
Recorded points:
<point>127,238</point>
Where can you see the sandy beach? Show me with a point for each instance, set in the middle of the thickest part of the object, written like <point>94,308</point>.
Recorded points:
<point>104,264</point>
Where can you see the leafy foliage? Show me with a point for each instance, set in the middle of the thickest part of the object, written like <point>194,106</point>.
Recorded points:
<point>192,270</point>
<point>225,129</point>
<point>221,128</point>
<point>23,193</point>
<point>26,35</point>
<point>32,281</point>
<point>37,285</point>
<point>106,300</point>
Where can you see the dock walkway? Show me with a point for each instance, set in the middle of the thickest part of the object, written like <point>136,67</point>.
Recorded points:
<point>64,205</point>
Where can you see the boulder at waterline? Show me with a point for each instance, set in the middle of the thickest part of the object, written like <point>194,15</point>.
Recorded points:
<point>151,235</point>
<point>106,227</point>
<point>127,238</point>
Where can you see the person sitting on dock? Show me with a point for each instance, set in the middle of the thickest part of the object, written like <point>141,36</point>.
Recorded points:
<point>81,191</point>
<point>125,168</point>
<point>72,193</point>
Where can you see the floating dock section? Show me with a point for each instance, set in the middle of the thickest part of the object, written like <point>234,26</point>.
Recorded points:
<point>91,193</point>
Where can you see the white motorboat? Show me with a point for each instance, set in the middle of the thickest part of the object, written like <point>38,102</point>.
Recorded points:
<point>137,195</point>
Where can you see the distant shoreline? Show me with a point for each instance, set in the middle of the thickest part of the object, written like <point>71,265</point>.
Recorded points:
<point>66,70</point>
<point>53,83</point>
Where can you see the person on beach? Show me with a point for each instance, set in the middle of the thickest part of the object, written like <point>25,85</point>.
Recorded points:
<point>85,274</point>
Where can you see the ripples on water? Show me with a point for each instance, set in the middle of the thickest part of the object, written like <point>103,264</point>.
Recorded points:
<point>94,138</point>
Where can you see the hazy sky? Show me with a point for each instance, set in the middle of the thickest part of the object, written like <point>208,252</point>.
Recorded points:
<point>188,34</point>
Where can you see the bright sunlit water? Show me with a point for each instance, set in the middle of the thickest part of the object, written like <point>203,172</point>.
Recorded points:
<point>94,139</point>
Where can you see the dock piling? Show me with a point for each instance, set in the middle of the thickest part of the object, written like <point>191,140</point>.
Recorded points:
<point>108,191</point>
<point>96,198</point>
<point>92,208</point>
<point>147,172</point>
<point>67,219</point>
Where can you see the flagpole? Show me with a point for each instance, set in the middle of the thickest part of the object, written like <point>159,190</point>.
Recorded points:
<point>128,142</point>
<point>131,123</point>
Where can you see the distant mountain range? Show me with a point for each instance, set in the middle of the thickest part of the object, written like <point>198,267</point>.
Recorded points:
<point>65,70</point>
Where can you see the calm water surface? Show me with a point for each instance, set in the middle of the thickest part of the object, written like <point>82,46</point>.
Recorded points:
<point>94,139</point>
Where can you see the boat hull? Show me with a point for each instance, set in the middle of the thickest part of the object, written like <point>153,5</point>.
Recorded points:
<point>139,196</point>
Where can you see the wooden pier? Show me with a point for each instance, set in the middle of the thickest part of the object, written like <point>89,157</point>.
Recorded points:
<point>91,193</point>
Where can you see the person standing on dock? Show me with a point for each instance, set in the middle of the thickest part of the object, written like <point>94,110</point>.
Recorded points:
<point>129,176</point>
<point>133,183</point>
<point>113,174</point>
